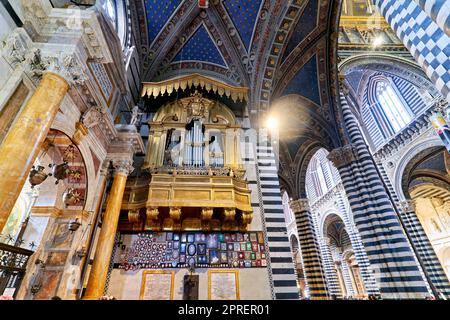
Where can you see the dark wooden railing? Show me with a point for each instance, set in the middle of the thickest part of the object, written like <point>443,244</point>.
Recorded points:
<point>13,263</point>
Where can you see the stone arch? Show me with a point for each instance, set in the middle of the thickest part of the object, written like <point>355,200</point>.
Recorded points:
<point>412,155</point>
<point>63,125</point>
<point>388,65</point>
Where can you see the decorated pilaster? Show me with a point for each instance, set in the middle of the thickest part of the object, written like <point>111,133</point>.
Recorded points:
<point>99,269</point>
<point>375,216</point>
<point>310,250</point>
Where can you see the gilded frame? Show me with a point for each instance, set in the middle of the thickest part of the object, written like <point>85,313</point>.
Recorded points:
<point>144,276</point>
<point>236,275</point>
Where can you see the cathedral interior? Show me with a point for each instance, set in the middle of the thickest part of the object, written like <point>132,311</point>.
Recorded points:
<point>224,149</point>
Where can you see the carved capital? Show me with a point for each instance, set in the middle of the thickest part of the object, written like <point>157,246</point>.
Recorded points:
<point>124,167</point>
<point>299,205</point>
<point>67,66</point>
<point>406,206</point>
<point>343,156</point>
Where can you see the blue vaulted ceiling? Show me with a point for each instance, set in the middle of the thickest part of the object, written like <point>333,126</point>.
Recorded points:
<point>243,13</point>
<point>305,25</point>
<point>200,47</point>
<point>158,13</point>
<point>305,82</point>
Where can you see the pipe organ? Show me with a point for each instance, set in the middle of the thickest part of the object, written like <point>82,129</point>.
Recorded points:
<point>197,178</point>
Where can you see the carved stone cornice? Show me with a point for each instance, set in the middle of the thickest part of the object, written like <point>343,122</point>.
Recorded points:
<point>415,129</point>
<point>300,205</point>
<point>328,197</point>
<point>343,156</point>
<point>36,59</point>
<point>73,23</point>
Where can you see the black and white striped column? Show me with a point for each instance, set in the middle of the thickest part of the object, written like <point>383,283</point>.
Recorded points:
<point>281,263</point>
<point>387,247</point>
<point>309,245</point>
<point>425,250</point>
<point>369,281</point>
<point>419,239</point>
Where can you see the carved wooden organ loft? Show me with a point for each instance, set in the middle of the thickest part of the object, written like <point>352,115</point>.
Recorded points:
<point>196,174</point>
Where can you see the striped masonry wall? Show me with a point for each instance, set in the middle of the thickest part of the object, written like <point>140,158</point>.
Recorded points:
<point>347,279</point>
<point>329,269</point>
<point>262,176</point>
<point>425,250</point>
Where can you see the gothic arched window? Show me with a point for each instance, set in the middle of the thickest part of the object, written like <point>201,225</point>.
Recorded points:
<point>395,111</point>
<point>389,103</point>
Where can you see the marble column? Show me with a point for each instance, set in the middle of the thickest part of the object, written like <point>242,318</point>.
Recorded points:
<point>105,243</point>
<point>24,140</point>
<point>439,11</point>
<point>423,37</point>
<point>309,246</point>
<point>329,268</point>
<point>350,285</point>
<point>430,262</point>
<point>425,250</point>
<point>369,281</point>
<point>388,250</point>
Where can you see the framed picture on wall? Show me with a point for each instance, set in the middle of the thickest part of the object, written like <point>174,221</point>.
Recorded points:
<point>223,285</point>
<point>157,285</point>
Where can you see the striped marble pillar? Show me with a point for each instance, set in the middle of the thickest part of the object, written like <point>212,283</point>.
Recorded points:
<point>369,281</point>
<point>387,248</point>
<point>425,251</point>
<point>439,11</point>
<point>426,41</point>
<point>310,249</point>
<point>347,278</point>
<point>282,269</point>
<point>430,261</point>
<point>331,276</point>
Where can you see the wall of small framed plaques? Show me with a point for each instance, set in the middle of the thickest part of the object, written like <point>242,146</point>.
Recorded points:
<point>200,250</point>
